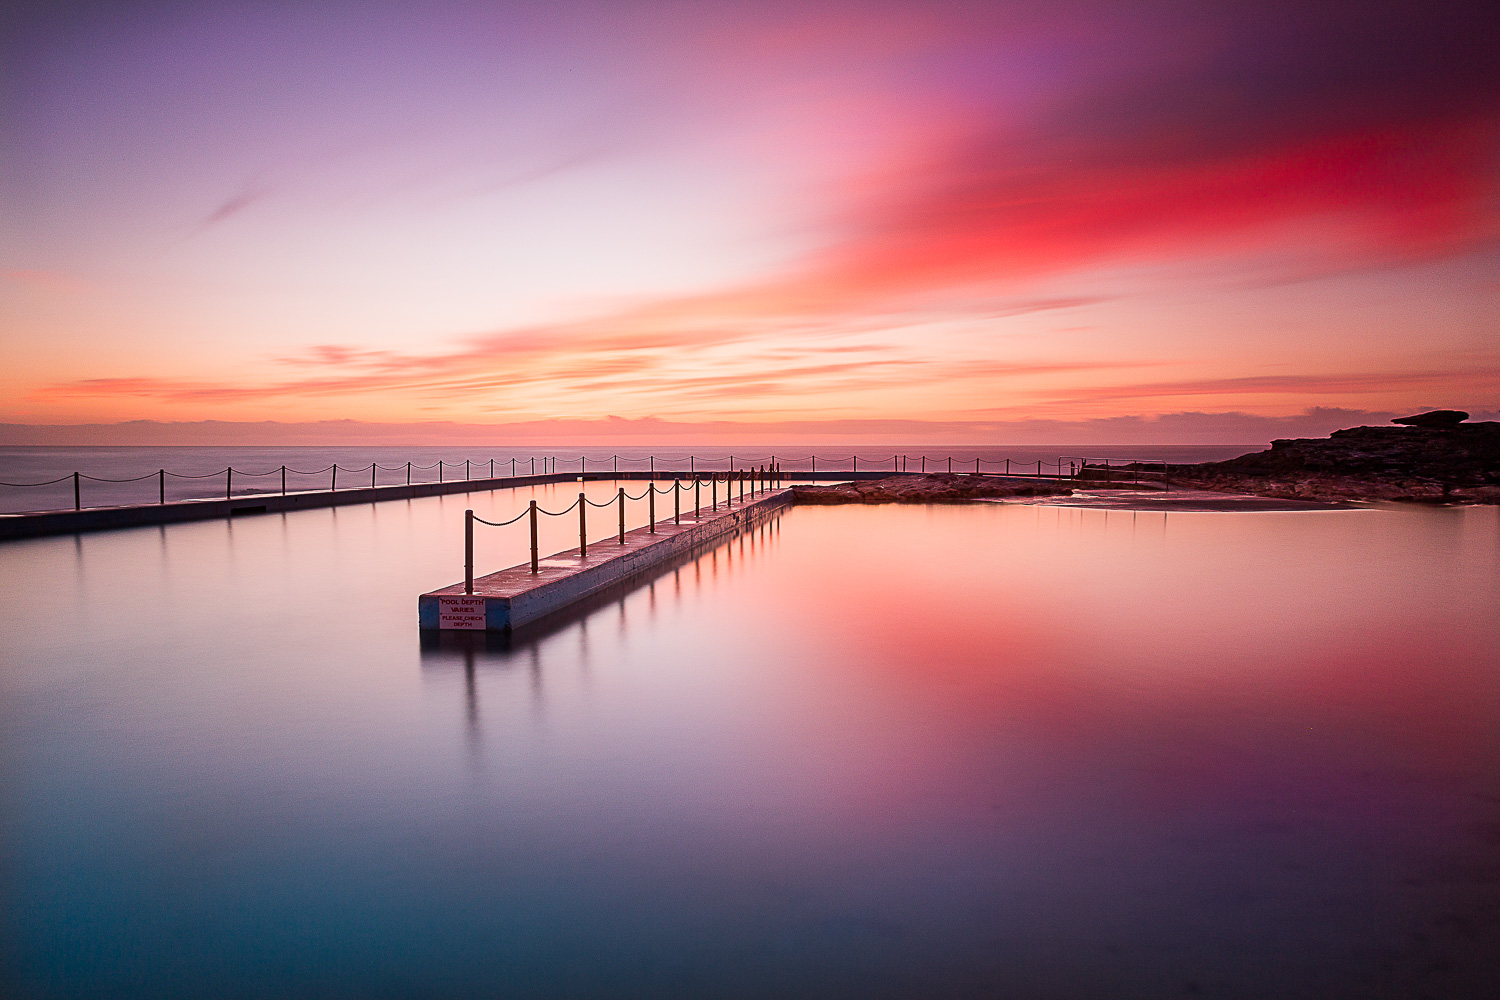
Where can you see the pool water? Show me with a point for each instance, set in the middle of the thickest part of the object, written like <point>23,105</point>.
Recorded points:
<point>987,750</point>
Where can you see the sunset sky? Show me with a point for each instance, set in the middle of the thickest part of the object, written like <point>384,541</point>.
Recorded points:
<point>805,213</point>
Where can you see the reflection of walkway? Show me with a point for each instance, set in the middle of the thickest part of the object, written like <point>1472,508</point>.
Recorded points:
<point>475,652</point>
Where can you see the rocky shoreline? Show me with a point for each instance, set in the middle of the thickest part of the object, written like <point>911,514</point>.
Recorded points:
<point>1452,463</point>
<point>1431,458</point>
<point>933,488</point>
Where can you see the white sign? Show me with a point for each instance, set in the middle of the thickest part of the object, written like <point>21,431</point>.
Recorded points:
<point>461,612</point>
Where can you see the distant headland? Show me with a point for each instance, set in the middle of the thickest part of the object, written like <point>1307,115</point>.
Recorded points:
<point>1432,457</point>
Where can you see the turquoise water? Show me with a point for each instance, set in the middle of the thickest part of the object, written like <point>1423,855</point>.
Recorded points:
<point>988,750</point>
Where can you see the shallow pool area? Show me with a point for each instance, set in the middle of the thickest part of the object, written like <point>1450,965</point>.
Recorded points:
<point>977,750</point>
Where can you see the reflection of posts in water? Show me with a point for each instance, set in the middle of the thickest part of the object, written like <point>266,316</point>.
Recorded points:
<point>534,662</point>
<point>471,694</point>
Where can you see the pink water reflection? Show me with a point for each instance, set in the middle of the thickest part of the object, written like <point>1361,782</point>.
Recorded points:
<point>988,749</point>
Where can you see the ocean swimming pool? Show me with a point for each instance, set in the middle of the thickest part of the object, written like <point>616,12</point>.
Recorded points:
<point>988,749</point>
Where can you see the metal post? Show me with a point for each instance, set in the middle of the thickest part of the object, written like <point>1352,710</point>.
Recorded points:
<point>408,473</point>
<point>697,497</point>
<point>77,497</point>
<point>333,487</point>
<point>1007,466</point>
<point>676,502</point>
<point>651,505</point>
<point>976,466</point>
<point>534,555</point>
<point>372,475</point>
<point>950,465</point>
<point>653,464</point>
<point>856,463</point>
<point>713,481</point>
<point>161,484</point>
<point>815,463</point>
<point>440,470</point>
<point>693,467</point>
<point>466,470</point>
<point>622,515</point>
<point>228,482</point>
<point>583,525</point>
<point>512,468</point>
<point>533,466</point>
<point>924,465</point>
<point>583,464</point>
<point>283,480</point>
<point>468,552</point>
<point>492,468</point>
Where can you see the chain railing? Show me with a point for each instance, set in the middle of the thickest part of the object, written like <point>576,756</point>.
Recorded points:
<point>1064,467</point>
<point>755,481</point>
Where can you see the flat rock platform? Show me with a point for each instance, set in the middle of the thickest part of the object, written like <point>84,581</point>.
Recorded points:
<point>516,596</point>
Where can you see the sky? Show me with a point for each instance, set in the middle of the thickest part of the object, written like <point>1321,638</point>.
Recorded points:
<point>968,220</point>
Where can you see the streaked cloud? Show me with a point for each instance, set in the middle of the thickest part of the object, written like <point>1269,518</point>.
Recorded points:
<point>759,211</point>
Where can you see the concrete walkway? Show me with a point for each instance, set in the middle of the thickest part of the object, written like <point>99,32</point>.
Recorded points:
<point>516,596</point>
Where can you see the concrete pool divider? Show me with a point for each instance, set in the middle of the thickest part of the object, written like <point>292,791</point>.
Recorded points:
<point>516,596</point>
<point>41,524</point>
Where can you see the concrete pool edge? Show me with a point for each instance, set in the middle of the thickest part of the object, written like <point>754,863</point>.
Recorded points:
<point>515,596</point>
<point>47,523</point>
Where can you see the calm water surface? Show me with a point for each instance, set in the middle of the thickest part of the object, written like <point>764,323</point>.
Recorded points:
<point>982,750</point>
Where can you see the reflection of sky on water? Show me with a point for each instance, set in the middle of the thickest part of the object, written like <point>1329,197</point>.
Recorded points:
<point>862,751</point>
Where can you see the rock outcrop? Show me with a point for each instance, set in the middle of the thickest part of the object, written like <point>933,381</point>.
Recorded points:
<point>1453,462</point>
<point>939,488</point>
<point>1434,418</point>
